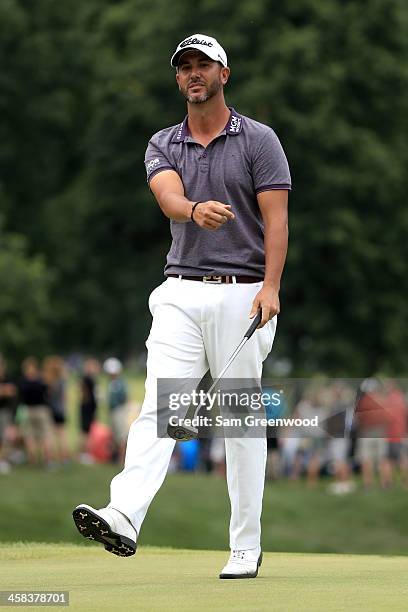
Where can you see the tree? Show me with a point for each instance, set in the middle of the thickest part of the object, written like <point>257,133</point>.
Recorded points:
<point>329,77</point>
<point>25,309</point>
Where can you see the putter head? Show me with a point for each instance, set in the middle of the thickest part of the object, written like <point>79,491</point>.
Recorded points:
<point>182,433</point>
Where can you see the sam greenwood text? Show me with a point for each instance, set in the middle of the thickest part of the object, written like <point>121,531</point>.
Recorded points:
<point>249,421</point>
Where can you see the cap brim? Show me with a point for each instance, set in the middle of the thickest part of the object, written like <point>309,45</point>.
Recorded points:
<point>175,58</point>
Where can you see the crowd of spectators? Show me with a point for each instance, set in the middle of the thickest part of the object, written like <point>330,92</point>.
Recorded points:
<point>33,414</point>
<point>363,427</point>
<point>362,430</point>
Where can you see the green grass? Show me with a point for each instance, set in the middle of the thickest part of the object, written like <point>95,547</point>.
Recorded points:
<point>192,511</point>
<point>165,579</point>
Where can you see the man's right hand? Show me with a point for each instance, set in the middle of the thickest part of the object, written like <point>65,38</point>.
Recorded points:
<point>212,215</point>
<point>168,190</point>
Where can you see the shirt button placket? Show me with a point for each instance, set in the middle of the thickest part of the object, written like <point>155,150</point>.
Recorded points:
<point>204,162</point>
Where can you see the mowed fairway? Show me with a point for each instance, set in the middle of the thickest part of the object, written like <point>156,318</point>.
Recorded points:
<point>169,579</point>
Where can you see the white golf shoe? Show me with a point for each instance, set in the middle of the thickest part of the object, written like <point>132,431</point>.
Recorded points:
<point>107,526</point>
<point>243,564</point>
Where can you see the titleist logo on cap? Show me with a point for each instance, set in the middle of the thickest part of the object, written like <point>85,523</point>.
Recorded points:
<point>195,41</point>
<point>207,45</point>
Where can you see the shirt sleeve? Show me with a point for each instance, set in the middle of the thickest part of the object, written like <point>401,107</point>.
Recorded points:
<point>156,159</point>
<point>270,168</point>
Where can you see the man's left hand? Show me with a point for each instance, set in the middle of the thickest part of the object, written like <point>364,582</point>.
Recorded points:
<point>267,299</point>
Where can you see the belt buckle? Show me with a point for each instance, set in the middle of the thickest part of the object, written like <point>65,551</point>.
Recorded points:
<point>217,280</point>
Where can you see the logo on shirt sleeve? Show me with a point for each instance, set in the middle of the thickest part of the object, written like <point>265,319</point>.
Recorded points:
<point>151,165</point>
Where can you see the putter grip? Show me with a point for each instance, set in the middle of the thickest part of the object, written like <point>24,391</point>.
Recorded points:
<point>254,324</point>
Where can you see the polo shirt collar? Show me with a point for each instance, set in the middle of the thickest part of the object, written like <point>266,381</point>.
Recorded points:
<point>233,128</point>
<point>234,125</point>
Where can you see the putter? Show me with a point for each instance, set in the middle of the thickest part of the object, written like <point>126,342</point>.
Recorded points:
<point>182,433</point>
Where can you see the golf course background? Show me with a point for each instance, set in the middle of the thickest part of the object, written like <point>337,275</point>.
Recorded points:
<point>192,511</point>
<point>84,86</point>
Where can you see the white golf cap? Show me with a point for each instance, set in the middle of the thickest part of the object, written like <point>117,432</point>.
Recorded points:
<point>207,44</point>
<point>112,366</point>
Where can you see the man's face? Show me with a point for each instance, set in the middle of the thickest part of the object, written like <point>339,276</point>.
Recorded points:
<point>31,371</point>
<point>199,78</point>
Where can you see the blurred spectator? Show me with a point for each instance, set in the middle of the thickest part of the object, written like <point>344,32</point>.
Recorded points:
<point>117,402</point>
<point>273,410</point>
<point>314,444</point>
<point>189,455</point>
<point>396,406</point>
<point>217,456</point>
<point>205,460</point>
<point>342,404</point>
<point>38,423</point>
<point>273,458</point>
<point>373,421</point>
<point>54,378</point>
<point>99,443</point>
<point>290,446</point>
<point>88,405</point>
<point>8,402</point>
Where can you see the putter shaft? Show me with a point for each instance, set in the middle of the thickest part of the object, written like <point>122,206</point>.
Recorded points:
<point>182,433</point>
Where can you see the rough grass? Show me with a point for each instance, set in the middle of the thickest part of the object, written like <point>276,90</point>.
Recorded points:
<point>192,511</point>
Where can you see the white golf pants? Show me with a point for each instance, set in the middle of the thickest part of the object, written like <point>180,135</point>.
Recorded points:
<point>197,326</point>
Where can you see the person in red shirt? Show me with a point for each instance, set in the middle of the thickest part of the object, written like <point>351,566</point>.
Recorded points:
<point>397,449</point>
<point>373,421</point>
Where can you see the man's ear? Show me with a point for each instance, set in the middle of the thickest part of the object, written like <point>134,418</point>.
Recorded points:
<point>225,73</point>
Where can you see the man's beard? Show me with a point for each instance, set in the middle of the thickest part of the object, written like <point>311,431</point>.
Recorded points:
<point>213,89</point>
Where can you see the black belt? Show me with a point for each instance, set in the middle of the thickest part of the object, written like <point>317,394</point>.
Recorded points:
<point>217,280</point>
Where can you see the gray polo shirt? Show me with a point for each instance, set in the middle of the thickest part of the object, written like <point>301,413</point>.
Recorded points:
<point>243,160</point>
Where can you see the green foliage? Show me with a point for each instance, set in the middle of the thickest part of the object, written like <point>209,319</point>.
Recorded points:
<point>25,308</point>
<point>84,86</point>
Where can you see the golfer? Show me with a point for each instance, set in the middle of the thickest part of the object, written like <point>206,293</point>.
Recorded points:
<point>222,179</point>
